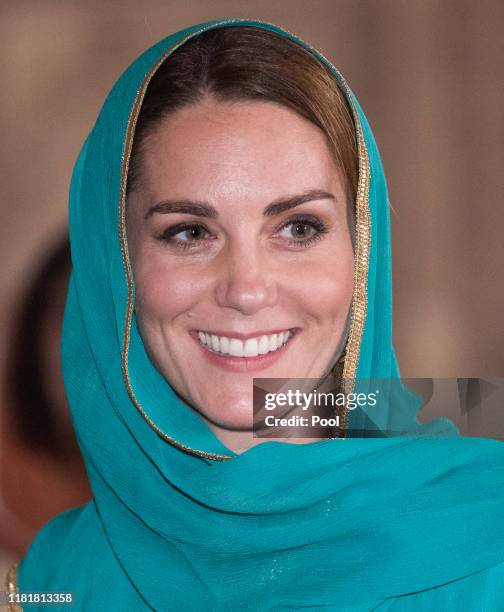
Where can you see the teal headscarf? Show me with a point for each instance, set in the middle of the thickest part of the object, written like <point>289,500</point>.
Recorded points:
<point>180,522</point>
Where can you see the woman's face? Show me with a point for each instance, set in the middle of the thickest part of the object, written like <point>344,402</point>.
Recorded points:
<point>241,253</point>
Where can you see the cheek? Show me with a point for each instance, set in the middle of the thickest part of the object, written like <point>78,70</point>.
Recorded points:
<point>164,290</point>
<point>326,287</point>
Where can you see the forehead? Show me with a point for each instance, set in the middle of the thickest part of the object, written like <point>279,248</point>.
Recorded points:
<point>229,147</point>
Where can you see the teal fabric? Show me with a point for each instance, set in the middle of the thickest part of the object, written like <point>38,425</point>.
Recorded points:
<point>377,524</point>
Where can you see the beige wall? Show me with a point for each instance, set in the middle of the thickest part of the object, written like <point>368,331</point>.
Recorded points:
<point>429,75</point>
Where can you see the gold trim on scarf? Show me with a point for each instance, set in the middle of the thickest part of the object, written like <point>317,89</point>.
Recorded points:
<point>363,237</point>
<point>11,587</point>
<point>361,262</point>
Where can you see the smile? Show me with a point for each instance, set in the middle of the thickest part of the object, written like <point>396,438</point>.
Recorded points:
<point>249,347</point>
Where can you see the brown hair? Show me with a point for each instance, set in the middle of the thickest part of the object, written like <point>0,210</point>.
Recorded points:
<point>245,63</point>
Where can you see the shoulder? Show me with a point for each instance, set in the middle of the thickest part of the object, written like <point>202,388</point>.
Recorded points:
<point>54,542</point>
<point>483,590</point>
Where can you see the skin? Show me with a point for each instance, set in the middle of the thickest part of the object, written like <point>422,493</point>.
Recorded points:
<point>241,271</point>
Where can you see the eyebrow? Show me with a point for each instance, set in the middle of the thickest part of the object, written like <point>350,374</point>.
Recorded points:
<point>203,209</point>
<point>190,207</point>
<point>283,204</point>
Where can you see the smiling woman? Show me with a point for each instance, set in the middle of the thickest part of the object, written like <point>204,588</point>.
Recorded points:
<point>229,217</point>
<point>241,185</point>
<point>234,199</point>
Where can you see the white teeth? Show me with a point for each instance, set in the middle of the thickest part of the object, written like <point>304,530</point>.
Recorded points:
<point>273,345</point>
<point>235,347</point>
<point>263,345</point>
<point>252,347</point>
<point>224,345</point>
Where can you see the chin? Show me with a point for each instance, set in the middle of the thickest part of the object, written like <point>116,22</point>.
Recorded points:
<point>231,412</point>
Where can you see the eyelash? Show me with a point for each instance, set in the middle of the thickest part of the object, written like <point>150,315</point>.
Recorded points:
<point>310,221</point>
<point>307,220</point>
<point>168,235</point>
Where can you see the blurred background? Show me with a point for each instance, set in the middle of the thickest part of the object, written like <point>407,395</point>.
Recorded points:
<point>429,76</point>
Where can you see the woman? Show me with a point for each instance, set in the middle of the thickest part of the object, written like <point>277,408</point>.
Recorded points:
<point>191,229</point>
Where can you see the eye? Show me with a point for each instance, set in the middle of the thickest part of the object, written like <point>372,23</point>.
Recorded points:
<point>195,232</point>
<point>302,230</point>
<point>185,235</point>
<point>298,230</point>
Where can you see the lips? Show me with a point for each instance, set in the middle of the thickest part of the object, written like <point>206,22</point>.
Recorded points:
<point>243,347</point>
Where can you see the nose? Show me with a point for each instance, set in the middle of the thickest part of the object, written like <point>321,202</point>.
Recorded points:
<point>246,281</point>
